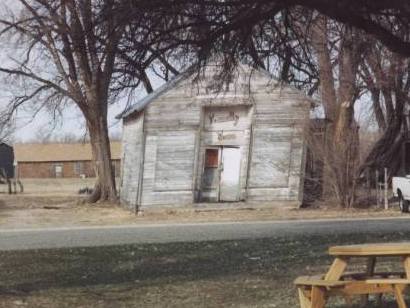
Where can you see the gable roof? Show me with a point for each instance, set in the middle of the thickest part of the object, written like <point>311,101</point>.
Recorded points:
<point>49,152</point>
<point>141,104</point>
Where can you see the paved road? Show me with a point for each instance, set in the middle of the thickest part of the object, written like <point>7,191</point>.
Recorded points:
<point>111,235</point>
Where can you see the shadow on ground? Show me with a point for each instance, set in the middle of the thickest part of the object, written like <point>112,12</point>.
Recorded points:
<point>257,273</point>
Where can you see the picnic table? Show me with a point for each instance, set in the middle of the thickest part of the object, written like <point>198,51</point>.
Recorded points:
<point>313,290</point>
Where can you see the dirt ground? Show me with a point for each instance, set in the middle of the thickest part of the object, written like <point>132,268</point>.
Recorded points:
<point>55,203</point>
<point>244,273</point>
<point>33,211</point>
<point>53,187</point>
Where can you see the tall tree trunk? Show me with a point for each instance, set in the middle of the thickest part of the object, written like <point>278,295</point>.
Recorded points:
<point>327,86</point>
<point>340,148</point>
<point>345,136</point>
<point>104,189</point>
<point>390,79</point>
<point>385,152</point>
<point>319,38</point>
<point>375,92</point>
<point>345,152</point>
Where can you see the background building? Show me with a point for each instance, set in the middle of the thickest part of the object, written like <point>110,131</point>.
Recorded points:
<point>59,160</point>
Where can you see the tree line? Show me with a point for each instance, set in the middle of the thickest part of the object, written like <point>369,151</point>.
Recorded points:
<point>92,52</point>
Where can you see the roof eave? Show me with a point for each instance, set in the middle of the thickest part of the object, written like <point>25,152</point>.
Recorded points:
<point>142,103</point>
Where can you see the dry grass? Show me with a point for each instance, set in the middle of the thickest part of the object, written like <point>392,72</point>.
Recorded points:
<point>33,211</point>
<point>245,273</point>
<point>55,202</point>
<point>55,187</point>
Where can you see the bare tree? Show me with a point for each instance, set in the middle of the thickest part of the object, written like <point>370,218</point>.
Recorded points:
<point>7,129</point>
<point>384,20</point>
<point>80,52</point>
<point>339,51</point>
<point>77,42</point>
<point>387,78</point>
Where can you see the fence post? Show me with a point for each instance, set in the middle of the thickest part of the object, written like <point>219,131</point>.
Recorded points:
<point>368,185</point>
<point>377,188</point>
<point>386,200</point>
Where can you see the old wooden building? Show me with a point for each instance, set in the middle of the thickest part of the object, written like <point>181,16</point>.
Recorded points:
<point>190,142</point>
<point>59,160</point>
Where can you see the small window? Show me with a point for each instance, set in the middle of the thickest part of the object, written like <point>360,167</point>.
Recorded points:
<point>78,167</point>
<point>58,171</point>
<point>211,158</point>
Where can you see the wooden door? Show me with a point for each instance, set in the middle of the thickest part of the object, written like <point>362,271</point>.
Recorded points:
<point>230,174</point>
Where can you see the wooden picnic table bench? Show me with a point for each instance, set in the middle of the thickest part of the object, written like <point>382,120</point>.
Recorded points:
<point>314,290</point>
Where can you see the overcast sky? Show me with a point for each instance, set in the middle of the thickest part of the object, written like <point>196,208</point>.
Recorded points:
<point>72,123</point>
<point>29,128</point>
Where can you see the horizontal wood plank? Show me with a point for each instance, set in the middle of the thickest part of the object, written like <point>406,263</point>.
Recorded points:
<point>377,249</point>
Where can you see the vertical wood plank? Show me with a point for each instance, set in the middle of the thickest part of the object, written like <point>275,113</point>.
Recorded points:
<point>406,263</point>
<point>303,299</point>
<point>131,166</point>
<point>318,298</point>
<point>141,173</point>
<point>377,188</point>
<point>399,297</point>
<point>386,188</point>
<point>336,269</point>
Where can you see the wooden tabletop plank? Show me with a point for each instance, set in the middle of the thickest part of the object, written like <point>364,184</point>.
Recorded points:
<point>336,269</point>
<point>377,249</point>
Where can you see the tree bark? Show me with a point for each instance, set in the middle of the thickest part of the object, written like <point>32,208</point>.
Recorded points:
<point>104,189</point>
<point>341,139</point>
<point>384,153</point>
<point>320,41</point>
<point>378,111</point>
<point>389,80</point>
<point>345,152</point>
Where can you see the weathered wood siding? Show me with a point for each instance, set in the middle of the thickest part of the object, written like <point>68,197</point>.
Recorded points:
<point>132,159</point>
<point>278,149</point>
<point>265,121</point>
<point>174,110</point>
<point>168,168</point>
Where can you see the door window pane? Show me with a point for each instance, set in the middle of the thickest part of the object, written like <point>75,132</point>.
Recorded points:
<point>210,177</point>
<point>211,158</point>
